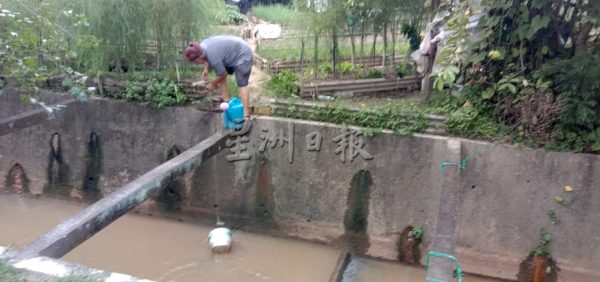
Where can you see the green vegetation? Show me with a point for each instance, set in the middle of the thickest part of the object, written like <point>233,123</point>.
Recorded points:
<point>417,232</point>
<point>291,49</point>
<point>71,39</point>
<point>78,278</point>
<point>529,76</point>
<point>232,15</point>
<point>341,29</point>
<point>519,79</point>
<point>165,93</point>
<point>543,246</point>
<point>470,122</point>
<point>150,87</point>
<point>404,69</point>
<point>140,34</point>
<point>554,219</point>
<point>283,84</point>
<point>370,74</point>
<point>575,82</point>
<point>279,14</point>
<point>156,87</point>
<point>9,273</point>
<point>32,47</point>
<point>403,118</point>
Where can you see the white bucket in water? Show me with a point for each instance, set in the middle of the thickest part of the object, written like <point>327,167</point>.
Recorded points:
<point>220,240</point>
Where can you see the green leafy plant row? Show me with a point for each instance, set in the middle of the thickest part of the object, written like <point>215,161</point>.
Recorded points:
<point>162,92</point>
<point>404,120</point>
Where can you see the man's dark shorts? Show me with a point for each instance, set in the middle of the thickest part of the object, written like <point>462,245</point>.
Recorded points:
<point>242,73</point>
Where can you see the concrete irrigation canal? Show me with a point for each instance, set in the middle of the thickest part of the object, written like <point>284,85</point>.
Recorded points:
<point>307,201</point>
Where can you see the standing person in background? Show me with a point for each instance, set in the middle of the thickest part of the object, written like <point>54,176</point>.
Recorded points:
<point>225,54</point>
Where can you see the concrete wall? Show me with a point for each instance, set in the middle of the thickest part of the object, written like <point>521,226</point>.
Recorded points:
<point>364,203</point>
<point>507,193</point>
<point>309,198</point>
<point>10,103</point>
<point>505,196</point>
<point>132,139</point>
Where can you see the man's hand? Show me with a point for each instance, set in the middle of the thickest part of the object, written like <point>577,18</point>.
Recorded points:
<point>211,86</point>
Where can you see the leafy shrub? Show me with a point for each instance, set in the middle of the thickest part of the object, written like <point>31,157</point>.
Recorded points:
<point>364,74</point>
<point>134,91</point>
<point>346,67</point>
<point>33,49</point>
<point>503,75</point>
<point>326,68</point>
<point>441,103</point>
<point>283,84</point>
<point>165,93</point>
<point>404,120</point>
<point>403,70</point>
<point>575,82</point>
<point>233,15</point>
<point>374,74</point>
<point>411,32</point>
<point>468,121</point>
<point>417,232</point>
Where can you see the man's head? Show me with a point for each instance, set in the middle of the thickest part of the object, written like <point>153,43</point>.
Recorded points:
<point>193,53</point>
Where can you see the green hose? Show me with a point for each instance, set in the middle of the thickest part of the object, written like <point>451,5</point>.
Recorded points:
<point>457,271</point>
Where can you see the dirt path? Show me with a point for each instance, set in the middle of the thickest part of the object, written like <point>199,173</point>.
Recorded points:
<point>257,78</point>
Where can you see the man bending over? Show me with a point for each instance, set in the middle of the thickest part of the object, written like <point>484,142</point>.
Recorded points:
<point>225,55</point>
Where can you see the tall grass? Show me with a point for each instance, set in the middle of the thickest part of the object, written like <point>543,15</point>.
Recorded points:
<point>280,14</point>
<point>290,49</point>
<point>141,34</point>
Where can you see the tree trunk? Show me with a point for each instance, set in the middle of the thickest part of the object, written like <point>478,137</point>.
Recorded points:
<point>352,44</point>
<point>582,38</point>
<point>334,52</point>
<point>316,54</point>
<point>362,39</point>
<point>302,55</point>
<point>393,30</point>
<point>385,45</point>
<point>373,46</point>
<point>426,82</point>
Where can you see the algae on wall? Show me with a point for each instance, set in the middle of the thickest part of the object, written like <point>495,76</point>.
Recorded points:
<point>357,213</point>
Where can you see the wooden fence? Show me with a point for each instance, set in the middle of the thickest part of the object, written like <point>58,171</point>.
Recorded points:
<point>360,86</point>
<point>273,67</point>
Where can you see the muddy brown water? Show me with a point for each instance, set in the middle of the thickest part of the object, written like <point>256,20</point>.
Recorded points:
<point>168,250</point>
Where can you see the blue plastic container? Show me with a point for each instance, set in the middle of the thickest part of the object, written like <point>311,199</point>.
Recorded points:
<point>233,117</point>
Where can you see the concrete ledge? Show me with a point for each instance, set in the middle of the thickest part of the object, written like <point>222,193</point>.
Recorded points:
<point>48,269</point>
<point>27,119</point>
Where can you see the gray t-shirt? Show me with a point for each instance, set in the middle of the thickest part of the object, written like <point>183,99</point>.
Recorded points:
<point>225,52</point>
